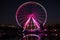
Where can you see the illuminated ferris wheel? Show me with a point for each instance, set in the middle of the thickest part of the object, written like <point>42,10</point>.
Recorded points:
<point>30,15</point>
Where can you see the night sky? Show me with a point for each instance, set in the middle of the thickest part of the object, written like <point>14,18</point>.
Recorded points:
<point>8,10</point>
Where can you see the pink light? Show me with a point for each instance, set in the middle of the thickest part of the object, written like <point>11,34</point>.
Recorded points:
<point>26,23</point>
<point>34,21</point>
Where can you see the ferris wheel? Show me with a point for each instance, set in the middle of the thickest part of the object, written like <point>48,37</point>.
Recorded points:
<point>31,14</point>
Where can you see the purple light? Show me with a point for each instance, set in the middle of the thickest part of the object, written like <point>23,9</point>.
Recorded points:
<point>46,34</point>
<point>45,29</point>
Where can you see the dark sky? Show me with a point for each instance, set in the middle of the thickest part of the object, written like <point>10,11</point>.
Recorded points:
<point>8,10</point>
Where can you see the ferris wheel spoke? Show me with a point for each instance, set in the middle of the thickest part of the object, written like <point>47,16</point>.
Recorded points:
<point>21,18</point>
<point>22,21</point>
<point>41,15</point>
<point>39,21</point>
<point>40,18</point>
